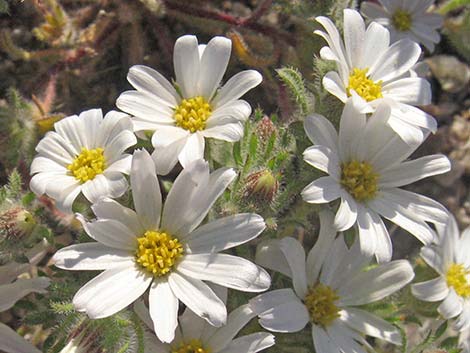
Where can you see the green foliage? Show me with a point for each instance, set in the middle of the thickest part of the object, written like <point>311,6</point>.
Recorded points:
<point>293,79</point>
<point>452,5</point>
<point>457,33</point>
<point>4,7</point>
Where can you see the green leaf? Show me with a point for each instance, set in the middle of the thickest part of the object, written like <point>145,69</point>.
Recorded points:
<point>294,81</point>
<point>237,154</point>
<point>28,199</point>
<point>253,147</point>
<point>270,145</point>
<point>441,330</point>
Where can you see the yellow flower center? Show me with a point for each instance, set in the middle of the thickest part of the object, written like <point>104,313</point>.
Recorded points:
<point>402,20</point>
<point>192,114</point>
<point>458,278</point>
<point>194,346</point>
<point>157,252</point>
<point>364,86</point>
<point>88,164</point>
<point>320,302</point>
<point>359,179</point>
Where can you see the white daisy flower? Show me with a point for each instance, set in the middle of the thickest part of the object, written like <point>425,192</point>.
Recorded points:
<point>406,19</point>
<point>84,154</point>
<point>196,335</point>
<point>450,258</point>
<point>328,286</point>
<point>10,293</point>
<point>367,166</point>
<point>164,248</point>
<point>370,69</point>
<point>184,115</point>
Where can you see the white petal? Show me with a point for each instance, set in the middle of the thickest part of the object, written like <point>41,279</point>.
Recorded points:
<point>113,124</point>
<point>321,157</point>
<point>322,342</point>
<point>43,164</point>
<point>55,147</point>
<point>116,147</point>
<point>382,281</point>
<point>184,189</point>
<point>146,79</point>
<point>345,338</point>
<point>402,217</point>
<point>286,317</point>
<point>410,90</point>
<point>352,126</point>
<point>121,165</point>
<point>431,291</point>
<point>271,299</point>
<point>11,342</point>
<point>65,197</point>
<point>38,183</point>
<point>110,209</point>
<point>433,258</point>
<point>223,269</point>
<point>111,184</point>
<point>398,59</point>
<point>193,149</point>
<point>163,307</point>
<point>295,255</point>
<point>269,255</point>
<point>322,190</point>
<point>237,86</point>
<point>320,250</point>
<point>227,132</point>
<point>347,213</point>
<point>166,135</point>
<point>231,112</point>
<point>410,171</point>
<point>165,158</point>
<point>225,233</point>
<point>146,108</point>
<point>376,42</point>
<point>92,120</point>
<point>91,256</point>
<point>251,343</point>
<point>463,321</point>
<point>12,292</point>
<point>236,320</point>
<point>187,65</point>
<point>146,190</point>
<point>321,131</point>
<point>451,306</point>
<point>72,129</point>
<point>111,291</point>
<point>111,233</point>
<point>371,325</point>
<point>199,298</point>
<point>190,204</point>
<point>333,84</point>
<point>354,36</point>
<point>423,207</point>
<point>214,62</point>
<point>373,236</point>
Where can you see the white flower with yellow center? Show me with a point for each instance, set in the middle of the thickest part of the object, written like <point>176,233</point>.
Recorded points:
<point>367,166</point>
<point>329,285</point>
<point>195,335</point>
<point>450,258</point>
<point>196,108</point>
<point>10,293</point>
<point>164,248</point>
<point>371,70</point>
<point>406,19</point>
<point>84,154</point>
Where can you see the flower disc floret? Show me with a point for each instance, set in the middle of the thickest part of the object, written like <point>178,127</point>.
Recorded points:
<point>364,86</point>
<point>88,164</point>
<point>193,346</point>
<point>457,277</point>
<point>359,180</point>
<point>191,114</point>
<point>157,252</point>
<point>320,303</point>
<point>402,20</point>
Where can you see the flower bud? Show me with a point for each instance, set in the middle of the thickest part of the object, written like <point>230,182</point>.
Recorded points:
<point>262,185</point>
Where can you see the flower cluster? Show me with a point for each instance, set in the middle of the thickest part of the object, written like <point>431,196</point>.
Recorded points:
<point>166,252</point>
